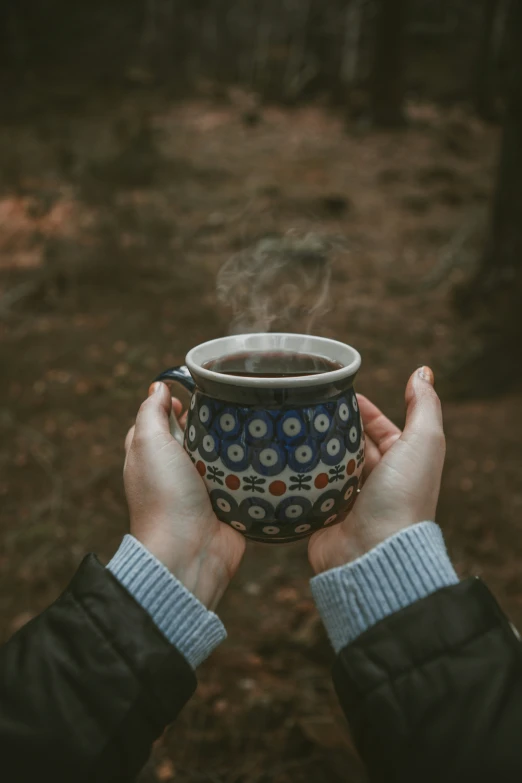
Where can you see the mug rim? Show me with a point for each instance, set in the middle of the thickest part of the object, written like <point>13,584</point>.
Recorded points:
<point>324,347</point>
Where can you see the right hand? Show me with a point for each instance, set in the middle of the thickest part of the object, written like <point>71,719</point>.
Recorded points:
<point>403,473</point>
<point>170,510</point>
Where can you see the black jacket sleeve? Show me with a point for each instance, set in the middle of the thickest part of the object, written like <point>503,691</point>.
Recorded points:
<point>434,692</point>
<point>86,687</point>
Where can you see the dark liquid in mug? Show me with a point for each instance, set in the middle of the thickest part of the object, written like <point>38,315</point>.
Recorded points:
<point>280,364</point>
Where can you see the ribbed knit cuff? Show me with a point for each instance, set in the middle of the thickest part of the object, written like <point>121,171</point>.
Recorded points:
<point>188,625</point>
<point>401,570</point>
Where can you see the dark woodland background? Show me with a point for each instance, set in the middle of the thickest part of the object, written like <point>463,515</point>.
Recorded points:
<point>145,143</point>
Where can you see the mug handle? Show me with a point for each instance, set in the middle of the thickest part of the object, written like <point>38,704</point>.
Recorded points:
<point>180,375</point>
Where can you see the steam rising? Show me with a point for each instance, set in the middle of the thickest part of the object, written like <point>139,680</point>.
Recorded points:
<point>280,284</point>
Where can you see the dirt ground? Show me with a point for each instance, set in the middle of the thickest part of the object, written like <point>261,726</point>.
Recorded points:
<point>114,221</point>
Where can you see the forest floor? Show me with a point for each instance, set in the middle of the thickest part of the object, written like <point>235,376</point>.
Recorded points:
<point>112,230</point>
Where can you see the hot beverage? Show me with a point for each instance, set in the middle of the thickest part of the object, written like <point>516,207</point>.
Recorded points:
<point>274,430</point>
<point>277,364</point>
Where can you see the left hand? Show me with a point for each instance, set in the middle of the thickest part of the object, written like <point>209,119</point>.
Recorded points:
<point>170,510</point>
<point>402,477</point>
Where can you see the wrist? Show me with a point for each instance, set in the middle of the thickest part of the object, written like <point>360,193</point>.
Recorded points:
<point>203,574</point>
<point>175,611</point>
<point>353,540</point>
<point>399,571</point>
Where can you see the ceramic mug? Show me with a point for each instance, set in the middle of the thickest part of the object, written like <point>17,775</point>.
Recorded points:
<point>281,456</point>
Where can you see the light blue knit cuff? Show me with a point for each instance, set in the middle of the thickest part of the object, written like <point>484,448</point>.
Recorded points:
<point>401,570</point>
<point>188,625</point>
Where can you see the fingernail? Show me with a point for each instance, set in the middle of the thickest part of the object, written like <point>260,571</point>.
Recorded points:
<point>426,374</point>
<point>154,388</point>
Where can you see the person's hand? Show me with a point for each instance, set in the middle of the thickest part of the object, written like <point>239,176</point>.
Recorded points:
<point>170,511</point>
<point>402,477</point>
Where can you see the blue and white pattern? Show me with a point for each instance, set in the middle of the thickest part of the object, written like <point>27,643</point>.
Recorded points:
<point>303,455</point>
<point>256,509</point>
<point>235,454</point>
<point>224,505</point>
<point>348,493</point>
<point>277,475</point>
<point>269,459</point>
<point>291,428</point>
<point>333,448</point>
<point>227,423</point>
<point>293,509</point>
<point>259,428</point>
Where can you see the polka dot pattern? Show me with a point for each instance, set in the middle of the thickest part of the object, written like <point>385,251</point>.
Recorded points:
<point>225,506</point>
<point>277,488</point>
<point>349,494</point>
<point>256,510</point>
<point>353,428</point>
<point>259,428</point>
<point>321,422</point>
<point>293,509</point>
<point>333,449</point>
<point>321,481</point>
<point>234,455</point>
<point>268,460</point>
<point>227,423</point>
<point>233,482</point>
<point>291,427</point>
<point>277,475</point>
<point>326,504</point>
<point>304,456</point>
<point>208,448</point>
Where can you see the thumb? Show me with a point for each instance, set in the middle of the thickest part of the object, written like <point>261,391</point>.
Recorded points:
<point>424,435</point>
<point>423,408</point>
<point>153,416</point>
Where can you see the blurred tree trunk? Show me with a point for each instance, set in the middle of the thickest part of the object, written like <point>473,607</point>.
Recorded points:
<point>494,295</point>
<point>13,48</point>
<point>351,43</point>
<point>387,78</point>
<point>487,59</point>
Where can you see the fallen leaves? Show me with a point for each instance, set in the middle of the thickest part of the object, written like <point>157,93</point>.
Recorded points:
<point>121,370</point>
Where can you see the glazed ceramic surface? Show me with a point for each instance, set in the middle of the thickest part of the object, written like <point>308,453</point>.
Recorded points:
<point>281,459</point>
<point>277,475</point>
